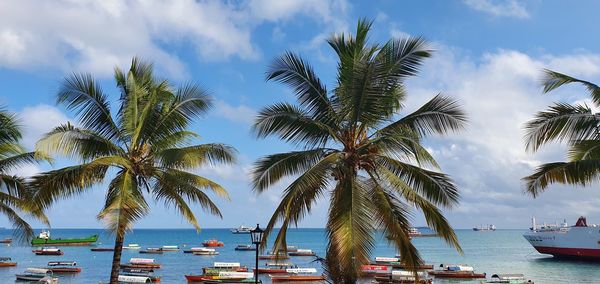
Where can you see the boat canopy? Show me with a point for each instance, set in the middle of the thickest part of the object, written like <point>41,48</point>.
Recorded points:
<point>36,270</point>
<point>301,270</point>
<point>386,259</point>
<point>134,279</point>
<point>66,263</point>
<point>171,247</point>
<point>235,274</point>
<point>50,249</point>
<point>141,260</point>
<point>226,264</point>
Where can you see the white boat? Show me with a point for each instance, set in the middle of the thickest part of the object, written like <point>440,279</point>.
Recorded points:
<point>134,279</point>
<point>204,251</point>
<point>507,279</point>
<point>241,230</point>
<point>132,246</point>
<point>138,260</point>
<point>170,248</point>
<point>483,228</point>
<point>562,240</point>
<point>40,275</point>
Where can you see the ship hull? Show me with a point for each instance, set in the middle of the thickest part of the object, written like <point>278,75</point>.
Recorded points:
<point>64,242</point>
<point>567,242</point>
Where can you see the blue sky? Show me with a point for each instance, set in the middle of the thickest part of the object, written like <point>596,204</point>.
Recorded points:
<point>489,56</point>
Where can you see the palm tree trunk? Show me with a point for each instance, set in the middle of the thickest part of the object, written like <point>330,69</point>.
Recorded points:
<point>116,263</point>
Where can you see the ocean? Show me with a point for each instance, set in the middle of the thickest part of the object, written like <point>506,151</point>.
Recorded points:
<point>502,251</point>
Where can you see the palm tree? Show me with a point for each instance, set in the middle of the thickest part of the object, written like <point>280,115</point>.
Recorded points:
<point>142,150</point>
<point>356,152</point>
<point>14,191</point>
<point>575,124</point>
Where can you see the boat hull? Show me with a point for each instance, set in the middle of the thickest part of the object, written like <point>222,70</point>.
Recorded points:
<point>456,274</point>
<point>568,242</point>
<point>293,278</point>
<point>269,271</point>
<point>65,270</point>
<point>8,264</point>
<point>65,242</point>
<point>102,249</point>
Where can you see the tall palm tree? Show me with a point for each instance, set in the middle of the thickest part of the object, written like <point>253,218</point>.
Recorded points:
<point>354,150</point>
<point>14,191</point>
<point>575,124</point>
<point>142,150</point>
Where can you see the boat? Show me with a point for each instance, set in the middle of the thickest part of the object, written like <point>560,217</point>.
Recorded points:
<point>218,281</point>
<point>7,262</point>
<point>132,247</point>
<point>141,273</point>
<point>102,249</point>
<point>212,243</point>
<point>395,263</point>
<point>563,241</point>
<point>219,267</point>
<point>63,267</point>
<point>508,279</point>
<point>39,275</point>
<point>274,268</point>
<point>245,247</point>
<point>223,275</point>
<point>456,271</point>
<point>6,241</point>
<point>403,276</point>
<point>302,252</point>
<point>152,251</point>
<point>140,263</point>
<point>274,256</point>
<point>170,248</point>
<point>369,270</point>
<point>241,230</point>
<point>291,248</point>
<point>482,228</point>
<point>137,270</point>
<point>44,239</point>
<point>47,251</point>
<point>414,232</point>
<point>134,279</point>
<point>205,251</point>
<point>298,274</point>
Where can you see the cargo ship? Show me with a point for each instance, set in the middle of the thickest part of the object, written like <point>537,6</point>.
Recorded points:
<point>563,241</point>
<point>44,239</point>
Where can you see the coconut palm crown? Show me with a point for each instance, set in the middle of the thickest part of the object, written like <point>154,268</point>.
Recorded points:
<point>369,164</point>
<point>15,195</point>
<point>142,150</point>
<point>574,124</point>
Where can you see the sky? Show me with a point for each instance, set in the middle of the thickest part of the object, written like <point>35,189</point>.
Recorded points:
<point>489,55</point>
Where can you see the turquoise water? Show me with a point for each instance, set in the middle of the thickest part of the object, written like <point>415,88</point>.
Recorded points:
<point>502,251</point>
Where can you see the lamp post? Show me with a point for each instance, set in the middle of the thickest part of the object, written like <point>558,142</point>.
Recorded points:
<point>256,235</point>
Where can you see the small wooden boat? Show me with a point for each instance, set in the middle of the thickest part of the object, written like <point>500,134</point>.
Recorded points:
<point>102,249</point>
<point>291,249</point>
<point>152,251</point>
<point>403,276</point>
<point>132,247</point>
<point>63,267</point>
<point>374,270</point>
<point>395,263</point>
<point>134,279</point>
<point>245,247</point>
<point>193,249</point>
<point>39,275</point>
<point>219,267</point>
<point>7,262</point>
<point>274,256</point>
<point>212,243</point>
<point>243,281</point>
<point>223,275</point>
<point>508,279</point>
<point>170,248</point>
<point>140,263</point>
<point>145,274</point>
<point>302,252</point>
<point>205,251</point>
<point>47,251</point>
<point>456,271</point>
<point>6,241</point>
<point>298,274</point>
<point>274,268</point>
<point>137,270</point>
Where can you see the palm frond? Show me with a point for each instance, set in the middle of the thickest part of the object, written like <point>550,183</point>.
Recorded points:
<point>581,173</point>
<point>553,80</point>
<point>196,156</point>
<point>14,162</point>
<point>562,122</point>
<point>10,130</point>
<point>584,150</point>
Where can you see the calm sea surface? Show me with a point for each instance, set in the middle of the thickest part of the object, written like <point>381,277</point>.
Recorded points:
<point>502,251</point>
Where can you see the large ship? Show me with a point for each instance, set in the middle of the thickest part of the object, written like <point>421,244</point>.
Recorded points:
<point>487,228</point>
<point>44,239</point>
<point>562,240</point>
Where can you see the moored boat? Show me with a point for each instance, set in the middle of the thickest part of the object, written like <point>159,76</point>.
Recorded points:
<point>298,274</point>
<point>102,249</point>
<point>241,230</point>
<point>63,267</point>
<point>395,263</point>
<point>456,271</point>
<point>302,252</point>
<point>274,256</point>
<point>370,270</point>
<point>219,267</point>
<point>508,279</point>
<point>47,251</point>
<point>7,262</point>
<point>134,279</point>
<point>223,275</point>
<point>6,241</point>
<point>152,251</point>
<point>205,251</point>
<point>170,248</point>
<point>563,241</point>
<point>39,275</point>
<point>141,273</point>
<point>291,248</point>
<point>245,247</point>
<point>403,276</point>
<point>212,243</point>
<point>141,263</point>
<point>44,239</point>
<point>132,247</point>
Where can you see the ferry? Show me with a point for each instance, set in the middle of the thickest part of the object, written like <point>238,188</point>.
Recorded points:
<point>241,230</point>
<point>487,228</point>
<point>44,239</point>
<point>564,241</point>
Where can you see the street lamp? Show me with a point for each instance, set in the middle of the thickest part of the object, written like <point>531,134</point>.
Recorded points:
<point>256,235</point>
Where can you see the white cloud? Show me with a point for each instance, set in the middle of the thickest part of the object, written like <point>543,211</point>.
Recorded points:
<point>38,120</point>
<point>238,114</point>
<point>95,36</point>
<point>500,92</point>
<point>499,8</point>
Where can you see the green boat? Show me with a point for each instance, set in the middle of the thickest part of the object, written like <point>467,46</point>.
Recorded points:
<point>44,239</point>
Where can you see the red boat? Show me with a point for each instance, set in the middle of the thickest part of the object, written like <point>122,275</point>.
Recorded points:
<point>102,249</point>
<point>47,251</point>
<point>288,278</point>
<point>374,270</point>
<point>212,243</point>
<point>7,262</point>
